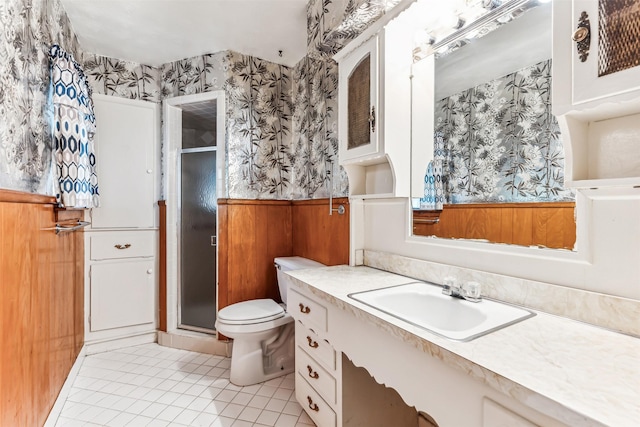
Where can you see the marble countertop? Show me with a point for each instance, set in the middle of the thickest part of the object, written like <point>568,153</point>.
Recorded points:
<point>578,373</point>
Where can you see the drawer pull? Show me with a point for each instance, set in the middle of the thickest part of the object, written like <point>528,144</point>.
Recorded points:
<point>312,405</point>
<point>304,309</point>
<point>312,343</point>
<point>312,374</point>
<point>125,246</point>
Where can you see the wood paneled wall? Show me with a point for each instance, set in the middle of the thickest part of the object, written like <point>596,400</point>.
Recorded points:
<point>162,262</point>
<point>41,306</point>
<point>318,235</point>
<point>251,233</point>
<point>550,225</point>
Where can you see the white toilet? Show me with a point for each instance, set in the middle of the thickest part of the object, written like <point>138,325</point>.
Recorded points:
<point>262,331</point>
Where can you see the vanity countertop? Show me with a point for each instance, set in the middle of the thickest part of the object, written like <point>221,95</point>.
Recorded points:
<point>574,371</point>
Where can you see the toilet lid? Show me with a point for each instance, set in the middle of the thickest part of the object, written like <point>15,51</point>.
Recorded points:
<point>254,311</point>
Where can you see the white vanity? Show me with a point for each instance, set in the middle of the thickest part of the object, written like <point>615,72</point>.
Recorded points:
<point>546,370</point>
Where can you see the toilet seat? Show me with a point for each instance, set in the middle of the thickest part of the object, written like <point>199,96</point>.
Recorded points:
<point>251,312</point>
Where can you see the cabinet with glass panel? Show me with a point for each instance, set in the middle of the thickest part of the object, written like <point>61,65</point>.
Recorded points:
<point>375,110</point>
<point>596,93</point>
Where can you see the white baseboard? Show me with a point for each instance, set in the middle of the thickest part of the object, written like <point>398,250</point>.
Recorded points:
<point>194,341</point>
<point>94,347</point>
<point>64,391</point>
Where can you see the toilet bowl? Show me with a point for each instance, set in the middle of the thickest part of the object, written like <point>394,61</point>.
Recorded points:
<point>262,331</point>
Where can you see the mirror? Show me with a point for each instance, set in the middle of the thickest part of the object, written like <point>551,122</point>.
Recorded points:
<point>492,162</point>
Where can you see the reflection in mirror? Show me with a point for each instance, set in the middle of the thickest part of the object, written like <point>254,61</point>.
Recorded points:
<point>497,169</point>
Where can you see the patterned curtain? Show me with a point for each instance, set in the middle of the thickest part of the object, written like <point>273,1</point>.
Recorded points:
<point>434,194</point>
<point>73,130</point>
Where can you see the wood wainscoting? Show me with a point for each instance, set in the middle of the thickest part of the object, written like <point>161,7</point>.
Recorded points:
<point>318,235</point>
<point>251,233</point>
<point>551,225</point>
<point>41,305</point>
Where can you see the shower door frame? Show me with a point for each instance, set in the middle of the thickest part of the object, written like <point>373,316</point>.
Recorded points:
<point>172,148</point>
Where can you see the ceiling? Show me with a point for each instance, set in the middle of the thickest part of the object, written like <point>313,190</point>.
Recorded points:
<point>155,32</point>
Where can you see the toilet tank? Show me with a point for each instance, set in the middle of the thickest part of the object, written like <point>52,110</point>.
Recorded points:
<point>288,264</point>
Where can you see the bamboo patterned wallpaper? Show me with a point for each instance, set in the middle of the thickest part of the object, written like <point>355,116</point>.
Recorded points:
<point>502,142</point>
<point>28,28</point>
<point>281,122</point>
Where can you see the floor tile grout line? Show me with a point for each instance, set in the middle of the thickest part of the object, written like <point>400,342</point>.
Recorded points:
<point>191,362</point>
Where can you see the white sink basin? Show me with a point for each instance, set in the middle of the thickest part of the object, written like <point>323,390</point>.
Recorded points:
<point>423,305</point>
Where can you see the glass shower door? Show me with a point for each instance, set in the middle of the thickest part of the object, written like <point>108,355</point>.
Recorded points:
<point>198,239</point>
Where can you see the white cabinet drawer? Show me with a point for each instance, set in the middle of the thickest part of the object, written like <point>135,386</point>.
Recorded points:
<point>116,245</point>
<point>306,310</point>
<point>319,411</point>
<point>319,349</point>
<point>321,381</point>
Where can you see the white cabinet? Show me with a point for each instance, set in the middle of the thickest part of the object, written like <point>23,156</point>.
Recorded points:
<point>596,94</point>
<point>494,415</point>
<point>318,369</point>
<point>122,294</point>
<point>375,110</point>
<point>359,105</point>
<point>126,156</point>
<point>604,72</point>
<point>121,245</point>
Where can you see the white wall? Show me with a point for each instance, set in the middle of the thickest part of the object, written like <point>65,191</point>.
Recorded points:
<point>607,259</point>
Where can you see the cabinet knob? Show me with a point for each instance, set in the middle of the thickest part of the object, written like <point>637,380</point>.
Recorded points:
<point>149,271</point>
<point>372,118</point>
<point>125,246</point>
<point>582,37</point>
<point>149,171</point>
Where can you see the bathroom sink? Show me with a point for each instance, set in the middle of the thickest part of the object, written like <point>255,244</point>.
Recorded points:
<point>423,304</point>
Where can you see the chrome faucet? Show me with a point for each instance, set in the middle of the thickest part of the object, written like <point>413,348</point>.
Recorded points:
<point>470,291</point>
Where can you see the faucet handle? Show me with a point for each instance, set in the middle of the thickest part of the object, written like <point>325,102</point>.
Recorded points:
<point>472,291</point>
<point>450,285</point>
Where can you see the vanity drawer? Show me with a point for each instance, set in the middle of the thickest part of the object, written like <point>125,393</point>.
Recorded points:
<point>306,310</point>
<point>114,245</point>
<point>316,376</point>
<point>319,411</point>
<point>316,347</point>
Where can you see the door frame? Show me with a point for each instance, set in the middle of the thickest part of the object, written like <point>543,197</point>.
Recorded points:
<point>172,115</point>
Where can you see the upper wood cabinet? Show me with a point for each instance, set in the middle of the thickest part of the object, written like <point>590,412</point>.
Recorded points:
<point>596,91</point>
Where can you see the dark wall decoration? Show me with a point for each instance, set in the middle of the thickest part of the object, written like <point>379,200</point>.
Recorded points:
<point>502,142</point>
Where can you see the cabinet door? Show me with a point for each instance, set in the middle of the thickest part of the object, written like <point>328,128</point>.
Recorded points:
<point>611,67</point>
<point>122,294</point>
<point>495,415</point>
<point>126,140</point>
<point>360,122</point>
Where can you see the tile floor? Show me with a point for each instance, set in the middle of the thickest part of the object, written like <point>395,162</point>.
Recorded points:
<point>151,385</point>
